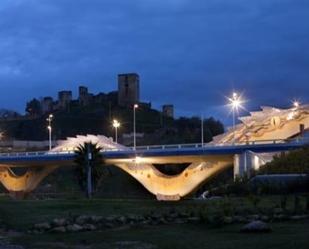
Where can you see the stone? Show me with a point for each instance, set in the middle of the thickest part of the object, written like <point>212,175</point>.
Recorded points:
<point>162,221</point>
<point>111,218</point>
<point>265,218</point>
<point>227,220</point>
<point>133,245</point>
<point>194,220</point>
<point>179,221</point>
<point>42,226</point>
<point>184,215</point>
<point>122,219</point>
<point>89,227</point>
<point>253,217</point>
<point>299,217</point>
<point>80,220</point>
<point>280,217</point>
<point>74,228</point>
<point>59,222</point>
<point>109,225</point>
<point>135,218</point>
<point>256,227</point>
<point>61,229</point>
<point>96,219</point>
<point>240,219</point>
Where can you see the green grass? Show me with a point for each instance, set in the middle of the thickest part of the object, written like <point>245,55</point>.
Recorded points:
<point>21,215</point>
<point>285,235</point>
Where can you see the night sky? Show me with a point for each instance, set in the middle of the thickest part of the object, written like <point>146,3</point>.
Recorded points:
<point>190,53</point>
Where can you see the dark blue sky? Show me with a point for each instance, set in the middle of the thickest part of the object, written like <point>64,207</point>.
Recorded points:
<point>188,52</point>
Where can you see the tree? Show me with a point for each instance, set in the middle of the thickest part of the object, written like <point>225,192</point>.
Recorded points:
<point>294,162</point>
<point>33,107</point>
<point>89,168</point>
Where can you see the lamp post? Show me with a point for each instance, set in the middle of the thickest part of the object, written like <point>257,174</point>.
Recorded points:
<point>134,125</point>
<point>49,127</point>
<point>235,103</point>
<point>202,130</point>
<point>116,125</point>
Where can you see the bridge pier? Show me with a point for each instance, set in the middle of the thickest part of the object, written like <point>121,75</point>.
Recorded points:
<point>246,163</point>
<point>20,186</point>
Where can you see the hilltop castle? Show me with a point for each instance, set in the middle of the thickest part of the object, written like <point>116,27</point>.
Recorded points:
<point>126,96</point>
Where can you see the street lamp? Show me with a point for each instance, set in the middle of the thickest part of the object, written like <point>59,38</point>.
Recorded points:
<point>116,125</point>
<point>49,127</point>
<point>296,104</point>
<point>235,103</point>
<point>134,125</point>
<point>202,130</point>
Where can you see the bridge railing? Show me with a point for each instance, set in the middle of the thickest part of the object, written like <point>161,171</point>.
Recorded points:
<point>300,141</point>
<point>211,145</point>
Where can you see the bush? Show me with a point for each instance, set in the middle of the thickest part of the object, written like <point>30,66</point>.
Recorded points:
<point>294,162</point>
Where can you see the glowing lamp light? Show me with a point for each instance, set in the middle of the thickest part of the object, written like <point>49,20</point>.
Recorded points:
<point>135,106</point>
<point>235,101</point>
<point>138,159</point>
<point>116,124</point>
<point>296,104</point>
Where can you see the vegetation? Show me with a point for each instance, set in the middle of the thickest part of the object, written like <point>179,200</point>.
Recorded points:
<point>21,215</point>
<point>90,161</point>
<point>33,107</point>
<point>294,162</point>
<point>97,118</point>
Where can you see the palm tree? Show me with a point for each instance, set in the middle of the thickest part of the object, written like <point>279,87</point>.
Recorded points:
<point>89,169</point>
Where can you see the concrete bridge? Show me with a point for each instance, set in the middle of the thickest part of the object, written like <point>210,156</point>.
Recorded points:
<point>244,148</point>
<point>204,162</point>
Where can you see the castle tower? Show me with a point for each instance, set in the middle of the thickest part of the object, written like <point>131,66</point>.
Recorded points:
<point>168,111</point>
<point>64,98</point>
<point>83,97</point>
<point>128,89</point>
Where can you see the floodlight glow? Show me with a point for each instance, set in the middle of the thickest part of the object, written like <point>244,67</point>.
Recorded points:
<point>235,101</point>
<point>116,124</point>
<point>138,159</point>
<point>296,104</point>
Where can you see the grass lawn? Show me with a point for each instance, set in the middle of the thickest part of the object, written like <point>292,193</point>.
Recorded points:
<point>21,215</point>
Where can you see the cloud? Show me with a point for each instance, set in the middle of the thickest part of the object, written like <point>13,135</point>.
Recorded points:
<point>197,50</point>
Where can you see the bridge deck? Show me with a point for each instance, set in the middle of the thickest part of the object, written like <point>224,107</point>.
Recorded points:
<point>35,158</point>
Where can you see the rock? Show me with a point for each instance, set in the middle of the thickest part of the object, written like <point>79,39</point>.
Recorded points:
<point>299,217</point>
<point>256,227</point>
<point>111,218</point>
<point>179,221</point>
<point>240,219</point>
<point>74,228</point>
<point>109,225</point>
<point>194,220</point>
<point>61,229</point>
<point>133,245</point>
<point>162,221</point>
<point>184,215</point>
<point>253,217</point>
<point>96,219</point>
<point>265,218</point>
<point>80,220</point>
<point>89,227</point>
<point>59,222</point>
<point>122,220</point>
<point>42,226</point>
<point>135,218</point>
<point>280,217</point>
<point>227,220</point>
